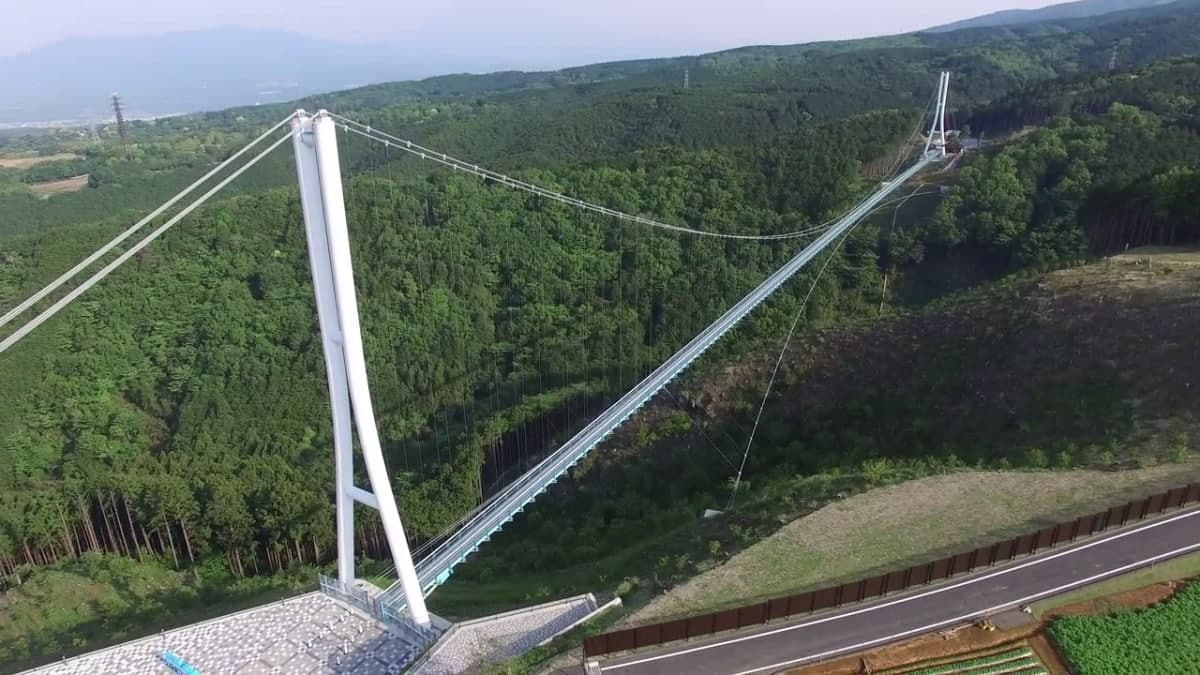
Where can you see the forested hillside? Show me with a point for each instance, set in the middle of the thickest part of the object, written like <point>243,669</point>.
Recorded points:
<point>178,410</point>
<point>1079,9</point>
<point>599,114</point>
<point>204,429</point>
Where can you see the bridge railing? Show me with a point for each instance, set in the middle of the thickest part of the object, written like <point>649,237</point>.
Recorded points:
<point>892,582</point>
<point>435,568</point>
<point>373,606</point>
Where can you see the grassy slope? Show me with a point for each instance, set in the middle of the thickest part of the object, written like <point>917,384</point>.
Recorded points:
<point>1117,315</point>
<point>100,600</point>
<point>897,526</point>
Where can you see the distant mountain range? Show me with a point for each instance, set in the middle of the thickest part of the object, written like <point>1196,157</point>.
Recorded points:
<point>1067,10</point>
<point>226,67</point>
<point>185,72</point>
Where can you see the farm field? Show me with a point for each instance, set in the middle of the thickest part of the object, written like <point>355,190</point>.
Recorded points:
<point>72,184</point>
<point>22,162</point>
<point>1019,659</point>
<point>1156,597</point>
<point>1160,639</point>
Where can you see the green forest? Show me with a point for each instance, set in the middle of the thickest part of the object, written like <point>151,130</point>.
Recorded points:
<point>178,411</point>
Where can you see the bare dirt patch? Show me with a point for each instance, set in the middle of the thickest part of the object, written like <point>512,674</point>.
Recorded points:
<point>72,184</point>
<point>1117,602</point>
<point>1048,655</point>
<point>13,162</point>
<point>944,645</point>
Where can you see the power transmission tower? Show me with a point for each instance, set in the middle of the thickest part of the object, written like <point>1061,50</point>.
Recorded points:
<point>1112,60</point>
<point>685,77</point>
<point>116,100</point>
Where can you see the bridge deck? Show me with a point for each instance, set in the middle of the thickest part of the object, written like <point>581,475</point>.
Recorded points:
<point>435,569</point>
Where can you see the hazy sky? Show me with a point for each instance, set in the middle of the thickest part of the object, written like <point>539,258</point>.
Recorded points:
<point>504,33</point>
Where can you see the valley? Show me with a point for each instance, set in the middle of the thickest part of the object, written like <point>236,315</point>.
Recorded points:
<point>1008,343</point>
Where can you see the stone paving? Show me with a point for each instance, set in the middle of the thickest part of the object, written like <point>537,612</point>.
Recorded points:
<point>474,645</point>
<point>302,635</point>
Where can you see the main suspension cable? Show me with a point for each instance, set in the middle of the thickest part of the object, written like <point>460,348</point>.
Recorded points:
<point>100,252</point>
<point>119,260</point>
<point>474,169</point>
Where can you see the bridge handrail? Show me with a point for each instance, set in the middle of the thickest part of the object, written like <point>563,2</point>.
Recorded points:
<point>504,504</point>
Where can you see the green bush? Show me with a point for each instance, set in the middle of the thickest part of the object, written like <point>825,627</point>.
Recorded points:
<point>1160,639</point>
<point>1035,458</point>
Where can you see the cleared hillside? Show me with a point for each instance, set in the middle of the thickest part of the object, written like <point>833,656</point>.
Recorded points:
<point>1114,317</point>
<point>906,524</point>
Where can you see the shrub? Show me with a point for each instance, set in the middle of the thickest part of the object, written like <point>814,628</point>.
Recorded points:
<point>1035,458</point>
<point>1160,639</point>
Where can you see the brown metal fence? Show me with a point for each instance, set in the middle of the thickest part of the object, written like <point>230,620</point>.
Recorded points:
<point>875,587</point>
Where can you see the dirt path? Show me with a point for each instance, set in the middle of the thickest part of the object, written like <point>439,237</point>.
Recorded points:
<point>72,184</point>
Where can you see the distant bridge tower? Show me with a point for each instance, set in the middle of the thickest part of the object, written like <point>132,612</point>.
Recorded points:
<point>120,114</point>
<point>321,199</point>
<point>937,131</point>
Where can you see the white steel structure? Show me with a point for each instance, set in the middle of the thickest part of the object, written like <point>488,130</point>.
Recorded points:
<point>320,178</point>
<point>937,131</point>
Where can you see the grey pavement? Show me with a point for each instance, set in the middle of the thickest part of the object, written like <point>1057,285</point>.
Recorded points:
<point>306,634</point>
<point>773,647</point>
<point>473,646</point>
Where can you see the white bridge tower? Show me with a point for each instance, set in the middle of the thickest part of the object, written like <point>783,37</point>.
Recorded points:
<point>937,131</point>
<point>321,197</point>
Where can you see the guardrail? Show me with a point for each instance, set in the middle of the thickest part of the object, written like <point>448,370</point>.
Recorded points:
<point>892,582</point>
<point>373,607</point>
<point>447,638</point>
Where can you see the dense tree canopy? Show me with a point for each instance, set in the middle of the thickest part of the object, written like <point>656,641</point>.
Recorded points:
<point>179,409</point>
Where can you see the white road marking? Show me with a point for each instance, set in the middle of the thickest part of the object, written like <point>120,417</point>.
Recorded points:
<point>941,589</point>
<point>974,615</point>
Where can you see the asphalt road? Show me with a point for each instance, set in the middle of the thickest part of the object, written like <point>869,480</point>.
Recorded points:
<point>866,625</point>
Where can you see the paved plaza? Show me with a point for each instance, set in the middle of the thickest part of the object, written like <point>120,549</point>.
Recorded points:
<point>304,635</point>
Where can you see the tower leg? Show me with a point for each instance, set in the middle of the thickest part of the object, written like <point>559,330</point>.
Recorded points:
<point>937,130</point>
<point>354,361</point>
<point>331,339</point>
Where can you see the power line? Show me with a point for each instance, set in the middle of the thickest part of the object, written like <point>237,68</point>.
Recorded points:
<point>788,341</point>
<point>737,481</point>
<point>119,260</point>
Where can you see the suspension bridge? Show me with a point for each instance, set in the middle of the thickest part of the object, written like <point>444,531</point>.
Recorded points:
<point>319,175</point>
